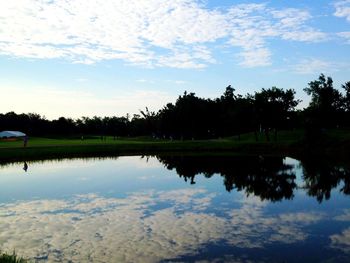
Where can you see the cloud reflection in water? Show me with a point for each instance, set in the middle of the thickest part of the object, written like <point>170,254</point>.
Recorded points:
<point>133,229</point>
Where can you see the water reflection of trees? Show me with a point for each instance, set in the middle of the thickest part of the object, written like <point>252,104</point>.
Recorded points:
<point>322,175</point>
<point>267,177</point>
<point>270,178</point>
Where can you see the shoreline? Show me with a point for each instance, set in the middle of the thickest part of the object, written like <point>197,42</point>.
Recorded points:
<point>197,147</point>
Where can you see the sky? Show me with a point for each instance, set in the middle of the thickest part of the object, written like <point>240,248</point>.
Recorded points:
<point>78,58</point>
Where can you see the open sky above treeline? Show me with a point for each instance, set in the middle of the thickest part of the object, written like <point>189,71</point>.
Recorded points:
<point>112,57</point>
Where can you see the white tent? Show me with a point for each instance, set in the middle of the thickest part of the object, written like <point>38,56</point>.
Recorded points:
<point>11,134</point>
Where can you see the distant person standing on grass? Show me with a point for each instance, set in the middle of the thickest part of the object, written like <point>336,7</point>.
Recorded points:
<point>25,141</point>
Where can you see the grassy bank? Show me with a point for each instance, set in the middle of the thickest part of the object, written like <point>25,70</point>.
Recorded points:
<point>11,258</point>
<point>287,142</point>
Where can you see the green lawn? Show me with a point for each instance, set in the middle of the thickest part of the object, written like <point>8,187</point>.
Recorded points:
<point>34,142</point>
<point>44,148</point>
<point>39,142</point>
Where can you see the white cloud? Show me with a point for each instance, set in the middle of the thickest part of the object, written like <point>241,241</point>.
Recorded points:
<point>309,35</point>
<point>291,17</point>
<point>317,66</point>
<point>342,9</point>
<point>341,241</point>
<point>256,57</point>
<point>345,35</point>
<point>252,30</point>
<point>92,227</point>
<point>150,33</point>
<point>312,66</point>
<point>344,217</point>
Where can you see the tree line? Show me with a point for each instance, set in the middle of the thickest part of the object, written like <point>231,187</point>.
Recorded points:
<point>191,117</point>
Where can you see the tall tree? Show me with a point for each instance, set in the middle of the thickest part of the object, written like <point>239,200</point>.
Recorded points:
<point>346,88</point>
<point>326,102</point>
<point>273,107</point>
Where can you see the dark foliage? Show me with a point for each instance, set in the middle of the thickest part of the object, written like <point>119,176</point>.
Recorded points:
<point>11,258</point>
<point>321,176</point>
<point>192,117</point>
<point>269,178</point>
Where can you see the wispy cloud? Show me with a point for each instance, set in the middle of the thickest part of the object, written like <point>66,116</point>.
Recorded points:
<point>345,35</point>
<point>341,241</point>
<point>342,9</point>
<point>150,33</point>
<point>255,57</point>
<point>313,65</point>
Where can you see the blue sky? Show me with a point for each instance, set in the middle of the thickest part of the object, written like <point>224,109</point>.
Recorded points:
<point>108,57</point>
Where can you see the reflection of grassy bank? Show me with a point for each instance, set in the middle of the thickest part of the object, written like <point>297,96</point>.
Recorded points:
<point>287,143</point>
<point>13,258</point>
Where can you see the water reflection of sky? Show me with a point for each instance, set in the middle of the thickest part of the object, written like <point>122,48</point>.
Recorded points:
<point>133,210</point>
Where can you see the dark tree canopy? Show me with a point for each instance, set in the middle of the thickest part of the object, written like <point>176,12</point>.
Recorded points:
<point>324,97</point>
<point>273,106</point>
<point>326,109</point>
<point>193,117</point>
<point>346,88</point>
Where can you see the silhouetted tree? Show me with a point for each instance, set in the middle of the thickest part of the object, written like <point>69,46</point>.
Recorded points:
<point>273,108</point>
<point>346,88</point>
<point>325,103</point>
<point>192,117</point>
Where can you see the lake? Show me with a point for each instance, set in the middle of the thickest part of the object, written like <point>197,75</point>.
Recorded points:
<point>176,209</point>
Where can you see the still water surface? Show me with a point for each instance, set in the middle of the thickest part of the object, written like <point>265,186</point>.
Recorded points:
<point>176,209</point>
